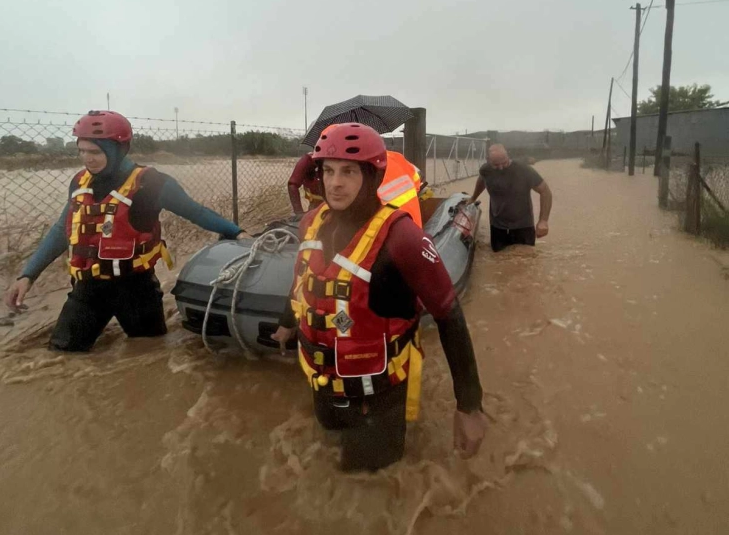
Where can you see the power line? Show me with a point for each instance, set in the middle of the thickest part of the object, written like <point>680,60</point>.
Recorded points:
<point>647,13</point>
<point>645,19</point>
<point>623,89</point>
<point>696,3</point>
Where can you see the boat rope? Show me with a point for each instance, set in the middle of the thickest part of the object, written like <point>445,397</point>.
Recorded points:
<point>271,241</point>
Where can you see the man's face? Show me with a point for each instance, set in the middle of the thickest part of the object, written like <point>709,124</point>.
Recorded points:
<point>92,156</point>
<point>499,159</point>
<point>342,182</point>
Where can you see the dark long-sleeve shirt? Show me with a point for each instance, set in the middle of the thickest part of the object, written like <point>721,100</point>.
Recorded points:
<point>158,192</point>
<point>408,268</point>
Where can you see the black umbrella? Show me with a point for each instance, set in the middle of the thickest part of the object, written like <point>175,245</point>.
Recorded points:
<point>383,113</point>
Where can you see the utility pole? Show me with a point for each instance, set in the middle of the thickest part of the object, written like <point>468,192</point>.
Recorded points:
<point>609,154</point>
<point>665,86</point>
<point>634,100</point>
<point>607,117</point>
<point>306,117</point>
<point>108,105</point>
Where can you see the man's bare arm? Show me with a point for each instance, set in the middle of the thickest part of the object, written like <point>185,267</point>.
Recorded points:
<point>480,186</point>
<point>545,201</point>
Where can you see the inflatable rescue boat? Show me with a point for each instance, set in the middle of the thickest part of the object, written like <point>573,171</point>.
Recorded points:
<point>233,292</point>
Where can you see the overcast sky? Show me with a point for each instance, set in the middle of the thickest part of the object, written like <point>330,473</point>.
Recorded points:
<point>475,65</point>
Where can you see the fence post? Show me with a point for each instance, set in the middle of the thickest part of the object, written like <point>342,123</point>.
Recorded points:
<point>458,160</point>
<point>625,156</point>
<point>692,223</point>
<point>415,142</point>
<point>234,169</point>
<point>435,159</point>
<point>644,151</point>
<point>665,170</point>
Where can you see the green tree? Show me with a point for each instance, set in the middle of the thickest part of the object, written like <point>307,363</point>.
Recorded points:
<point>10,145</point>
<point>144,144</point>
<point>685,97</point>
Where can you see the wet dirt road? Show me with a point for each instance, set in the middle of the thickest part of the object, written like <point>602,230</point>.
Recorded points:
<point>604,355</point>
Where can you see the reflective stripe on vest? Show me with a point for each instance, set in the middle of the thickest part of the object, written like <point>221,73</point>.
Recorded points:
<point>121,198</point>
<point>82,191</point>
<point>352,268</point>
<point>395,188</point>
<point>311,244</point>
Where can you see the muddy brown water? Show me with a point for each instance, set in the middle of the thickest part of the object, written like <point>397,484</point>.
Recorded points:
<point>604,357</point>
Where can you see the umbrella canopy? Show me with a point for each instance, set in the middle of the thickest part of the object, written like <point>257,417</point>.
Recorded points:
<point>383,113</point>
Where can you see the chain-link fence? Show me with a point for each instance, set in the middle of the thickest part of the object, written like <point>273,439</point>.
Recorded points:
<point>698,189</point>
<point>38,158</point>
<point>447,158</point>
<point>450,158</point>
<point>215,162</point>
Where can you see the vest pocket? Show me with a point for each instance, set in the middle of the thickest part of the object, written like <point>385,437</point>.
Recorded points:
<point>116,249</point>
<point>355,357</point>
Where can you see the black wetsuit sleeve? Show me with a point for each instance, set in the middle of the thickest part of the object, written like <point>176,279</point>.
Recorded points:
<point>457,346</point>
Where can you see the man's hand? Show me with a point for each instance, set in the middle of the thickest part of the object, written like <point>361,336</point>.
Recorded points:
<point>283,335</point>
<point>242,235</point>
<point>15,295</point>
<point>468,432</point>
<point>542,229</point>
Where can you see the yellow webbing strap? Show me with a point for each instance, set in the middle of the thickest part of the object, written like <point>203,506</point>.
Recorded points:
<point>412,404</point>
<point>308,370</point>
<point>312,196</point>
<point>144,260</point>
<point>166,256</point>
<point>365,243</point>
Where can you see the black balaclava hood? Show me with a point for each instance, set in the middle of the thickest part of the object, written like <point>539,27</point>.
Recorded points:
<point>115,153</point>
<point>117,169</point>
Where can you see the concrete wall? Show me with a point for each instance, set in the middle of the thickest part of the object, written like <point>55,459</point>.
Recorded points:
<point>708,127</point>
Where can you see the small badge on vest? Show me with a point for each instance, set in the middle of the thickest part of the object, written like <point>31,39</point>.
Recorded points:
<point>106,229</point>
<point>342,322</point>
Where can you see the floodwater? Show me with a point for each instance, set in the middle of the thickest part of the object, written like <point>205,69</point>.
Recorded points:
<point>604,357</point>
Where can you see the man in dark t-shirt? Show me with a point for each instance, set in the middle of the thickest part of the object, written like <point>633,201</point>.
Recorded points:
<point>511,213</point>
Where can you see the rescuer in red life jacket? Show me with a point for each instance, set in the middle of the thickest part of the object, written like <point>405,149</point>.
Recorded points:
<point>110,227</point>
<point>362,271</point>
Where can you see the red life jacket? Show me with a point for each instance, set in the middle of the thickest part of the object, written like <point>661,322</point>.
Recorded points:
<point>102,242</point>
<point>344,347</point>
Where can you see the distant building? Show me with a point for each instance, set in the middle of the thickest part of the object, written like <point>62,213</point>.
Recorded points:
<point>710,127</point>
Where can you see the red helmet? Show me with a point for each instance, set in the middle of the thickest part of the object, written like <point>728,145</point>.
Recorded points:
<point>104,125</point>
<point>352,141</point>
<point>329,128</point>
